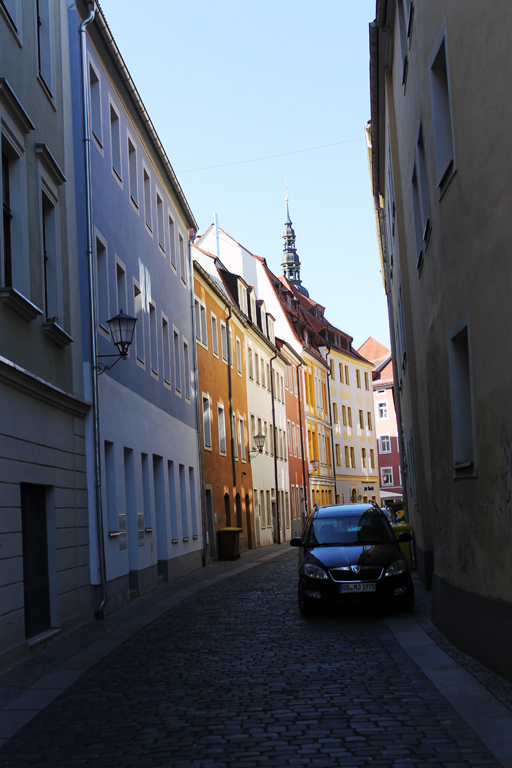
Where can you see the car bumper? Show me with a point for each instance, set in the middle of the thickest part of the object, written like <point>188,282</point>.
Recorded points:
<point>389,591</point>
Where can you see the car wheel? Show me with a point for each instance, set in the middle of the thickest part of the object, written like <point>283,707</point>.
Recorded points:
<point>306,605</point>
<point>408,603</point>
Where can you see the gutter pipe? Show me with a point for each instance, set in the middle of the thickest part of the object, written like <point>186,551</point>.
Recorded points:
<point>306,488</point>
<point>92,316</point>
<point>330,420</point>
<point>230,385</point>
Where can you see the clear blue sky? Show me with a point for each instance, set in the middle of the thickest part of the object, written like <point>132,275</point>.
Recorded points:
<point>230,81</point>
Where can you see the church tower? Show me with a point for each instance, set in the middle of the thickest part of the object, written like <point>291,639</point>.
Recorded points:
<point>290,261</point>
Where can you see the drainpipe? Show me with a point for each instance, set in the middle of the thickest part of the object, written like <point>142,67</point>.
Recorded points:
<point>306,489</point>
<point>278,516</point>
<point>330,420</point>
<point>233,432</point>
<point>92,316</point>
<point>195,381</point>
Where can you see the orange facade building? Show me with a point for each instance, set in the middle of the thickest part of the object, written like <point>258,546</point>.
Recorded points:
<point>222,395</point>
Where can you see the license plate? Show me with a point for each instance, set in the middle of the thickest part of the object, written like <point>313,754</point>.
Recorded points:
<point>367,587</point>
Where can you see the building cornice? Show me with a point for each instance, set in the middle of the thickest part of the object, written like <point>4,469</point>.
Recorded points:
<point>34,386</point>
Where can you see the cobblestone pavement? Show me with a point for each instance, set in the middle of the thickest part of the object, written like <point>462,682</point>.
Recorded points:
<point>234,676</point>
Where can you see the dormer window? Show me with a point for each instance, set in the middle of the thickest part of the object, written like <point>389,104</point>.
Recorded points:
<point>271,329</point>
<point>306,337</point>
<point>242,297</point>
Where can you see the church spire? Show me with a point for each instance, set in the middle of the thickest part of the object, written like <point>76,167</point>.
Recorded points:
<point>290,261</point>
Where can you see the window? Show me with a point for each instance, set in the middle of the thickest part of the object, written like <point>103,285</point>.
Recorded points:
<point>361,420</point>
<point>382,410</point>
<point>299,447</point>
<point>51,257</point>
<point>333,373</point>
<point>186,369</point>
<point>238,356</point>
<point>200,322</point>
<point>335,412</point>
<point>139,325</point>
<point>384,444</point>
<point>234,435</point>
<point>7,219</point>
<point>115,141</point>
<point>461,397</point>
<point>340,366</point>
<point>224,341</point>
<point>10,9</point>
<point>177,366</point>
<point>402,31</point>
<point>421,208</point>
<point>349,413</point>
<point>132,171</point>
<point>347,378</point>
<point>172,242</point>
<point>102,303</point>
<point>400,336</point>
<point>95,105</point>
<point>153,348</point>
<point>363,458</point>
<point>215,336</point>
<point>121,288</point>
<point>160,222</point>
<point>166,357</point>
<point>337,450</point>
<point>369,420</point>
<point>352,458</point>
<point>268,377</point>
<point>147,200</point>
<point>366,381</point>
<point>251,366</point>
<point>441,116</point>
<point>358,378</point>
<point>347,457</point>
<point>183,272</point>
<point>372,458</point>
<point>241,425</point>
<point>344,415</point>
<point>386,476</point>
<point>221,428</point>
<point>45,43</point>
<point>207,426</point>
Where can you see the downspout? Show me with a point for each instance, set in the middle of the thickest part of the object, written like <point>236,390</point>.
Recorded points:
<point>230,385</point>
<point>330,420</point>
<point>92,316</point>
<point>195,380</point>
<point>306,489</point>
<point>275,447</point>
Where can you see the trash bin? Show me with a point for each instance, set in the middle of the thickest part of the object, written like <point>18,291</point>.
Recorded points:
<point>405,546</point>
<point>228,543</point>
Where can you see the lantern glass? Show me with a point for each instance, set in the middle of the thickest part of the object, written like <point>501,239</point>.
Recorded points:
<point>122,328</point>
<point>259,441</point>
<point>314,464</point>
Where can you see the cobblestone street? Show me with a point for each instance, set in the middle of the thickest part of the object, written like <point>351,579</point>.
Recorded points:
<point>234,676</point>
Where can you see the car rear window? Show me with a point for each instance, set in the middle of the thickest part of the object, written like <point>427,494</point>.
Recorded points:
<point>368,528</point>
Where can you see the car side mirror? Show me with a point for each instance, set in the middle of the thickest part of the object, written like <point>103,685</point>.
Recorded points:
<point>296,542</point>
<point>404,536</point>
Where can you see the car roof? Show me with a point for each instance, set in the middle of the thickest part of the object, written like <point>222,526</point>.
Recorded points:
<point>344,510</point>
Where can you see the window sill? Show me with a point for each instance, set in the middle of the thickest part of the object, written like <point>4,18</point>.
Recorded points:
<point>46,635</point>
<point>57,334</point>
<point>47,92</point>
<point>18,303</point>
<point>446,180</point>
<point>12,26</point>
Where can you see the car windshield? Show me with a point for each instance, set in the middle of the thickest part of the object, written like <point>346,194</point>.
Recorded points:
<point>368,528</point>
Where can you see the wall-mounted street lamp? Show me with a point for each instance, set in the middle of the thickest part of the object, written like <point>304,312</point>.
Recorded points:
<point>314,464</point>
<point>122,328</point>
<point>259,442</point>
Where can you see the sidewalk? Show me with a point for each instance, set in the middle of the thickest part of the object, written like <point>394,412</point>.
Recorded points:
<point>482,698</point>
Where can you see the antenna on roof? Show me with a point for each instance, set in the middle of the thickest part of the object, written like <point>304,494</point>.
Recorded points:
<point>217,235</point>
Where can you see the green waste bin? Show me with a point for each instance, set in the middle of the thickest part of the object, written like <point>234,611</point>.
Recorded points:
<point>228,543</point>
<point>405,546</point>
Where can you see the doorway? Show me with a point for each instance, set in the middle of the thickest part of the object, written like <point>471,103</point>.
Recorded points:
<point>227,510</point>
<point>238,506</point>
<point>210,521</point>
<point>36,579</point>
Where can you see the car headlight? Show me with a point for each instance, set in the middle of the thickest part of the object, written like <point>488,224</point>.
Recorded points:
<point>314,572</point>
<point>397,568</point>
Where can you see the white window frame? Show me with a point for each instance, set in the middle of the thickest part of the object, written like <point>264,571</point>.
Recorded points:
<point>215,334</point>
<point>117,173</point>
<point>121,290</point>
<point>102,284</point>
<point>221,429</point>
<point>46,70</point>
<point>160,220</point>
<point>52,274</point>
<point>183,260</point>
<point>95,106</point>
<point>385,444</point>
<point>238,355</point>
<point>176,351</point>
<point>442,115</point>
<point>147,197</point>
<point>186,369</point>
<point>241,429</point>
<point>138,312</point>
<point>153,338</point>
<point>382,410</point>
<point>386,476</point>
<point>171,232</point>
<point>224,342</point>
<point>166,349</point>
<point>133,171</point>
<point>206,400</point>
